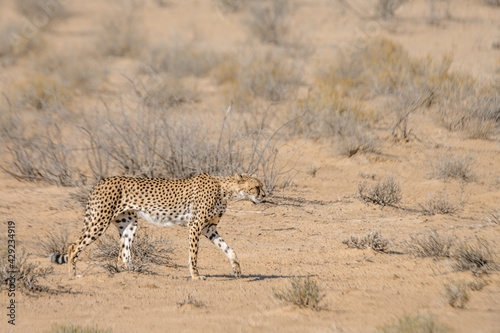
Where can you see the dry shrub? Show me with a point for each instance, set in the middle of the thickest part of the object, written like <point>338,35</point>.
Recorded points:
<point>36,9</point>
<point>475,257</point>
<point>492,2</point>
<point>493,216</point>
<point>469,105</point>
<point>54,241</point>
<point>13,44</point>
<point>230,6</point>
<point>415,324</point>
<point>386,8</point>
<point>23,274</point>
<point>372,240</point>
<point>161,91</point>
<point>266,76</point>
<point>190,300</point>
<point>75,69</point>
<point>43,92</point>
<point>431,244</point>
<point>438,204</point>
<point>452,165</point>
<point>121,35</point>
<point>386,193</point>
<point>302,292</point>
<point>43,154</point>
<point>456,293</point>
<point>71,328</point>
<point>147,250</point>
<point>179,59</point>
<point>269,21</point>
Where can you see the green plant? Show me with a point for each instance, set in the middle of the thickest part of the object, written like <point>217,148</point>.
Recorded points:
<point>303,292</point>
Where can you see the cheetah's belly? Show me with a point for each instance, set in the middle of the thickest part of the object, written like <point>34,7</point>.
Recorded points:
<point>165,218</point>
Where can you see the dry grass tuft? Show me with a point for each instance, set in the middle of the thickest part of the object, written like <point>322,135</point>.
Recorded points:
<point>41,155</point>
<point>179,59</point>
<point>302,292</point>
<point>75,69</point>
<point>265,76</point>
<point>269,21</point>
<point>456,294</point>
<point>475,257</point>
<point>190,300</point>
<point>121,35</point>
<point>452,166</point>
<point>415,324</point>
<point>493,216</point>
<point>43,92</point>
<point>147,250</point>
<point>431,244</point>
<point>70,328</point>
<point>373,240</point>
<point>19,271</point>
<point>386,193</point>
<point>438,204</point>
<point>54,241</point>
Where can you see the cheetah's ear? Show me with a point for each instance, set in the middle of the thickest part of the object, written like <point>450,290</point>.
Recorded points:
<point>238,177</point>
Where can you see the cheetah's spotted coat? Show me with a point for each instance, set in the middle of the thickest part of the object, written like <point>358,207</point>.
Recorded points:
<point>197,203</point>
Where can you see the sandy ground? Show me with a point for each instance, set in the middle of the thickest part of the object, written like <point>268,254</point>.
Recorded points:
<point>363,289</point>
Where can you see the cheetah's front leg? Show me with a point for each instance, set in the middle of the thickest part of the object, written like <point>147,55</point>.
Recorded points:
<point>194,238</point>
<point>212,234</point>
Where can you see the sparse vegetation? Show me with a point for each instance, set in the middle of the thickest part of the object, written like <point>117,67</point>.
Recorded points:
<point>257,76</point>
<point>386,193</point>
<point>302,292</point>
<point>386,8</point>
<point>53,241</point>
<point>164,92</point>
<point>372,240</point>
<point>25,275</point>
<point>147,250</point>
<point>71,328</point>
<point>452,166</point>
<point>190,300</point>
<point>43,92</point>
<point>476,257</point>
<point>180,59</point>
<point>493,216</point>
<point>41,155</point>
<point>431,244</point>
<point>121,35</point>
<point>415,324</point>
<point>438,204</point>
<point>456,294</point>
<point>270,22</point>
<point>76,70</point>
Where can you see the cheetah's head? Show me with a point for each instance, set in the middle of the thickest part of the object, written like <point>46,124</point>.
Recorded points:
<point>249,188</point>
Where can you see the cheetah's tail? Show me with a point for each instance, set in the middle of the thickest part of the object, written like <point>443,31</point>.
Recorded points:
<point>58,258</point>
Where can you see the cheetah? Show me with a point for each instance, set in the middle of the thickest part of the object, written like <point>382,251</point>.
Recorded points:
<point>198,203</point>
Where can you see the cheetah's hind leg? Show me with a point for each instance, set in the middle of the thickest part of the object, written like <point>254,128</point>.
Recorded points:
<point>126,224</point>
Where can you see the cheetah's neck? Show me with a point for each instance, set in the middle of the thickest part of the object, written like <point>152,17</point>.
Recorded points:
<point>229,187</point>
